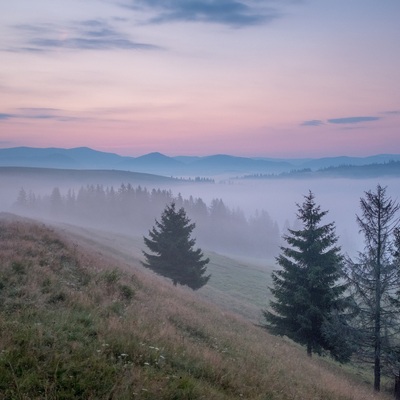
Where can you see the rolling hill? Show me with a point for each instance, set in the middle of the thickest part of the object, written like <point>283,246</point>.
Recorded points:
<point>79,320</point>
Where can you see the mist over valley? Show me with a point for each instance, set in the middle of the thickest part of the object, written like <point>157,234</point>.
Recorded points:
<point>249,189</point>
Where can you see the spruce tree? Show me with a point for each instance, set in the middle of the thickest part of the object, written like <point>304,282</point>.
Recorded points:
<point>374,278</point>
<point>307,294</point>
<point>173,250</point>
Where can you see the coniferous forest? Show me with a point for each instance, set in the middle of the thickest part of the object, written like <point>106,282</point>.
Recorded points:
<point>134,209</point>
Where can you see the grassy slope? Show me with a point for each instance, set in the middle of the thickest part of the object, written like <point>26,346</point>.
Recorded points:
<point>235,285</point>
<point>79,322</point>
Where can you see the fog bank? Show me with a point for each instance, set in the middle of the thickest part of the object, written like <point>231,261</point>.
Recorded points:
<point>341,197</point>
<point>278,197</point>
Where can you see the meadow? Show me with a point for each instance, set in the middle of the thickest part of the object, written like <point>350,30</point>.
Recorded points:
<point>80,318</point>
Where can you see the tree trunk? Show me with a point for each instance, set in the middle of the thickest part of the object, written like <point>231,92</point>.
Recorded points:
<point>377,349</point>
<point>309,349</point>
<point>397,387</point>
<point>377,369</point>
<point>378,294</point>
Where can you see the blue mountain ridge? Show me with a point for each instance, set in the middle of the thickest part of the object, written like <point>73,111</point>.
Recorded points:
<point>158,163</point>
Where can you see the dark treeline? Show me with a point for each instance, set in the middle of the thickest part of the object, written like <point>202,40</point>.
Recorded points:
<point>134,209</point>
<point>390,168</point>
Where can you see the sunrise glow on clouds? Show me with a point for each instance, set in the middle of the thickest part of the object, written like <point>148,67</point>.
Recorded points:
<point>197,77</point>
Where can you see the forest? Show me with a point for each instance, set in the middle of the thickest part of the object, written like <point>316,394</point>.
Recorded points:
<point>133,210</point>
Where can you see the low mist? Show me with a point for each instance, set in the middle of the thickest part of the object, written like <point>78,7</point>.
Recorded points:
<point>340,197</point>
<point>239,216</point>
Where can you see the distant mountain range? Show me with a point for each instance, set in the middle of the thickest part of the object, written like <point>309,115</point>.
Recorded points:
<point>160,164</point>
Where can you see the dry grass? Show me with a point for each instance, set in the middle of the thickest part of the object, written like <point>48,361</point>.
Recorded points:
<point>78,323</point>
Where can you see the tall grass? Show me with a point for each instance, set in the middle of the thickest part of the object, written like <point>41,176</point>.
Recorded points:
<point>76,322</point>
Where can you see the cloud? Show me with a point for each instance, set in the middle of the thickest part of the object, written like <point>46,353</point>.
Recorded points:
<point>352,120</point>
<point>4,116</point>
<point>82,35</point>
<point>312,122</point>
<point>394,112</point>
<point>345,121</point>
<point>38,114</point>
<point>232,13</point>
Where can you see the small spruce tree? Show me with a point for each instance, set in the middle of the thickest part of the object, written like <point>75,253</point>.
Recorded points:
<point>173,250</point>
<point>307,294</point>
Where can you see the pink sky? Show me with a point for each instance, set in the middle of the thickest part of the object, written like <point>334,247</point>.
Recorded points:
<point>272,79</point>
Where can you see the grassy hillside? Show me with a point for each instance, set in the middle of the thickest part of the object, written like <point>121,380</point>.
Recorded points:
<point>238,285</point>
<point>79,322</point>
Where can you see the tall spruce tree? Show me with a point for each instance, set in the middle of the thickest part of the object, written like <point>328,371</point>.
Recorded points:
<point>173,254</point>
<point>306,289</point>
<point>373,279</point>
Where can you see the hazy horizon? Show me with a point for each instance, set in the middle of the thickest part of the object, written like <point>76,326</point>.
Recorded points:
<point>156,151</point>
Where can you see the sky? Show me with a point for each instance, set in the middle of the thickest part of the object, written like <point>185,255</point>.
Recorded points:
<point>254,78</point>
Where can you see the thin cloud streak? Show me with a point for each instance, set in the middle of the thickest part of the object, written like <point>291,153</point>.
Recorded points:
<point>312,122</point>
<point>352,120</point>
<point>346,120</point>
<point>4,116</point>
<point>394,112</point>
<point>81,35</point>
<point>38,114</point>
<point>232,13</point>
